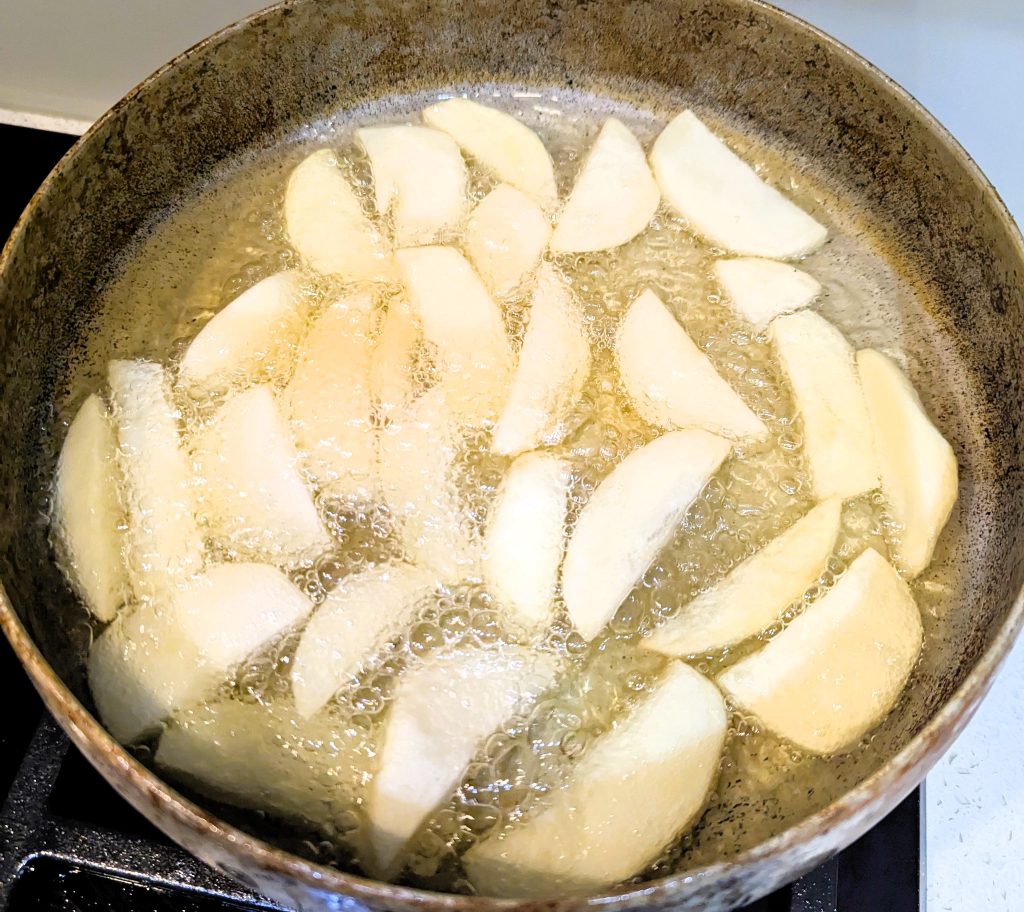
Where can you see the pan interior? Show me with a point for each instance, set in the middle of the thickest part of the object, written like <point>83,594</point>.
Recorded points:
<point>225,234</point>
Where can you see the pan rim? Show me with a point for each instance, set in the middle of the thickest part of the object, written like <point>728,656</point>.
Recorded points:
<point>856,810</point>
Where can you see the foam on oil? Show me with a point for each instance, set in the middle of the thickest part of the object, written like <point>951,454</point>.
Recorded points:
<point>230,235</point>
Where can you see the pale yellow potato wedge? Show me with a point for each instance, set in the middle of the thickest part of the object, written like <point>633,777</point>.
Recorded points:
<point>328,401</point>
<point>554,364</point>
<point>839,667</point>
<point>326,224</point>
<point>499,143</point>
<point>249,337</point>
<point>505,237</point>
<point>629,518</point>
<point>157,658</point>
<point>165,547</point>
<point>392,383</point>
<point>614,197</point>
<point>350,626</point>
<point>753,596</point>
<point>634,791</point>
<point>918,467</point>
<point>254,497</point>
<point>461,320</point>
<point>233,610</point>
<point>759,290</point>
<point>87,513</point>
<point>525,538</point>
<point>723,199</point>
<point>418,450</point>
<point>670,382</point>
<point>259,756</point>
<point>819,364</point>
<point>441,712</point>
<point>419,176</point>
<point>457,313</point>
<point>142,668</point>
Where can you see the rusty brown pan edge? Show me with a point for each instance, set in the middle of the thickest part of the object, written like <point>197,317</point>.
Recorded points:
<point>779,859</point>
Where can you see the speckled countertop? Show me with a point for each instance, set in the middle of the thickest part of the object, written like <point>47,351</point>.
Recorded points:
<point>62,63</point>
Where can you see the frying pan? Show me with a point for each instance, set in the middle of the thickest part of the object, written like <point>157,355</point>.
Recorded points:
<point>905,185</point>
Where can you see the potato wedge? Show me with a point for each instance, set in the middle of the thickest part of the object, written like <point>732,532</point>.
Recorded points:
<point>724,200</point>
<point>918,467</point>
<point>87,512</point>
<point>634,791</point>
<point>614,197</point>
<point>248,338</point>
<point>505,237</point>
<point>351,625</point>
<point>554,364</point>
<point>165,547</point>
<point>157,658</point>
<point>819,363</point>
<point>670,382</point>
<point>499,143</point>
<point>418,450</point>
<point>461,320</point>
<point>254,497</point>
<point>392,383</point>
<point>442,710</point>
<point>525,537</point>
<point>457,313</point>
<point>233,610</point>
<point>753,596</point>
<point>142,668</point>
<point>420,177</point>
<point>629,518</point>
<point>759,290</point>
<point>260,757</point>
<point>326,224</point>
<point>839,667</point>
<point>328,401</point>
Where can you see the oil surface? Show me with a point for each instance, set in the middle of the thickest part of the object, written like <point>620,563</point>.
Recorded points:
<point>231,235</point>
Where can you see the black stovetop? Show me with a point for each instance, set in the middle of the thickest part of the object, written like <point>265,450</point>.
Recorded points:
<point>69,843</point>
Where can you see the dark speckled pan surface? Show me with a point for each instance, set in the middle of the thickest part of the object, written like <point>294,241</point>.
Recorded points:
<point>926,205</point>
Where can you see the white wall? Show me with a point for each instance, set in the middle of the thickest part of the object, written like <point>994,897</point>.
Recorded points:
<point>64,62</point>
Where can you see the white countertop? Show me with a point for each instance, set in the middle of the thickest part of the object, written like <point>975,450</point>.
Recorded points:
<point>63,62</point>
